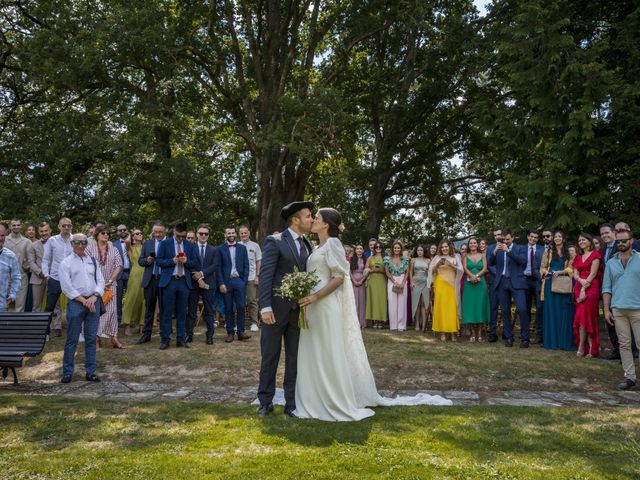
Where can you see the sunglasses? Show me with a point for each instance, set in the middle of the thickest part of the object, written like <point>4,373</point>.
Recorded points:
<point>204,234</point>
<point>137,233</point>
<point>623,241</point>
<point>621,230</point>
<point>378,248</point>
<point>66,225</point>
<point>104,233</point>
<point>79,242</point>
<point>122,229</point>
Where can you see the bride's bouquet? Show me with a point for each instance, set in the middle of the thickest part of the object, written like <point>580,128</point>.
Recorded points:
<point>297,285</point>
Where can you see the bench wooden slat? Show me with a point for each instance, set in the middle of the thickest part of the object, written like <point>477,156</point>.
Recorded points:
<point>21,335</point>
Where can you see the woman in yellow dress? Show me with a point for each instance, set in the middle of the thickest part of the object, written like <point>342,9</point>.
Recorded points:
<point>133,309</point>
<point>445,272</point>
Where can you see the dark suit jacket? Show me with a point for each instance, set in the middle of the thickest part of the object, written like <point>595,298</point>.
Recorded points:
<point>279,257</point>
<point>224,263</point>
<point>491,268</point>
<point>148,247</point>
<point>167,251</point>
<point>516,264</point>
<point>209,266</point>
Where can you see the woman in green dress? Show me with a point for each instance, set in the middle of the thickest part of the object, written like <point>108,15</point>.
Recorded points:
<point>376,310</point>
<point>418,273</point>
<point>133,301</point>
<point>475,299</point>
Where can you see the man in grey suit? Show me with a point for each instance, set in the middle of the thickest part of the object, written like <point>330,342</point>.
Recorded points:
<point>282,252</point>
<point>37,281</point>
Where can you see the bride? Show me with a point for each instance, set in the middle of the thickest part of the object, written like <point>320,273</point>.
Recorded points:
<point>334,380</point>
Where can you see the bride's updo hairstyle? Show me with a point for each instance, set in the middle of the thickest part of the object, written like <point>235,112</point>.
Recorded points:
<point>332,217</point>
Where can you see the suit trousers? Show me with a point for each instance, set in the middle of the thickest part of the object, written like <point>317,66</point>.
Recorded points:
<point>532,293</point>
<point>53,295</point>
<point>152,297</point>
<point>175,301</point>
<point>207,301</point>
<point>235,296</point>
<point>21,297</point>
<point>270,345</point>
<point>493,318</point>
<point>121,288</point>
<point>252,302</point>
<point>38,295</point>
<point>506,292</point>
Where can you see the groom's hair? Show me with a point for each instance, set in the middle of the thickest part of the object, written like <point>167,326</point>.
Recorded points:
<point>292,216</point>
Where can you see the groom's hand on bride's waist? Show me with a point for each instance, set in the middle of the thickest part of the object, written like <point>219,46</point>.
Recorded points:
<point>268,318</point>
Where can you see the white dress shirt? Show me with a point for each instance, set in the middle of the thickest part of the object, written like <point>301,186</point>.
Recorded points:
<point>55,250</point>
<point>529,269</point>
<point>175,246</point>
<point>78,276</point>
<point>232,253</point>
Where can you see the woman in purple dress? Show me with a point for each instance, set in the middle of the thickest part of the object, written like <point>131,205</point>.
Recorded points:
<point>358,278</point>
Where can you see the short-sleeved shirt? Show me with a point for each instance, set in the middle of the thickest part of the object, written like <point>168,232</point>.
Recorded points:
<point>255,255</point>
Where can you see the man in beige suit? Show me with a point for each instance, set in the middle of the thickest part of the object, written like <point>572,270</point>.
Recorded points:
<point>38,282</point>
<point>20,245</point>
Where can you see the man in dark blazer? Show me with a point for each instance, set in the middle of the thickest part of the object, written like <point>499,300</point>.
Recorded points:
<point>281,254</point>
<point>534,254</point>
<point>177,259</point>
<point>510,282</point>
<point>204,285</point>
<point>492,336</point>
<point>233,274</point>
<point>151,278</point>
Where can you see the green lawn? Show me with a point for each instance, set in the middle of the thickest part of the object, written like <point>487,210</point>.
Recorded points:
<point>54,438</point>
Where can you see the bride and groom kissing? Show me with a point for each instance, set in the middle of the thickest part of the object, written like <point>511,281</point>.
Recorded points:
<point>327,373</point>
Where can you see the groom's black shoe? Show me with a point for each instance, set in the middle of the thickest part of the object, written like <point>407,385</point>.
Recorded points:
<point>288,411</point>
<point>265,409</point>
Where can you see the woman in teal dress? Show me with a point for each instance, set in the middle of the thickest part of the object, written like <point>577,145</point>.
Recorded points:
<point>557,314</point>
<point>475,299</point>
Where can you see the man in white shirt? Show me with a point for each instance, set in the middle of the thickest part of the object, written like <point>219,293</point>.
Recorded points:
<point>255,259</point>
<point>9,272</point>
<point>82,282</point>
<point>56,249</point>
<point>20,245</point>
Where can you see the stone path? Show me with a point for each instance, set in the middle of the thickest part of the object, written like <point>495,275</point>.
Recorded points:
<point>237,395</point>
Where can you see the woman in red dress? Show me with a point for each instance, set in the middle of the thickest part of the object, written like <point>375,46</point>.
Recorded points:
<point>587,275</point>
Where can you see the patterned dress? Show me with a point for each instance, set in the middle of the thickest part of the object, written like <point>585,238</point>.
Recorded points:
<point>109,321</point>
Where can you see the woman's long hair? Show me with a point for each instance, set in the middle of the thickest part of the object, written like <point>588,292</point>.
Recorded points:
<point>354,258</point>
<point>565,246</point>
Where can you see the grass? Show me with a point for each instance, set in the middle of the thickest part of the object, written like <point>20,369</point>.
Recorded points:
<point>407,360</point>
<point>55,438</point>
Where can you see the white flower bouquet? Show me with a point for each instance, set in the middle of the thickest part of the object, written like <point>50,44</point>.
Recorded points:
<point>297,285</point>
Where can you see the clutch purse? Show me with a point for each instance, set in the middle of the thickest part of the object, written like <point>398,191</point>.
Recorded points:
<point>107,295</point>
<point>562,284</point>
<point>397,289</point>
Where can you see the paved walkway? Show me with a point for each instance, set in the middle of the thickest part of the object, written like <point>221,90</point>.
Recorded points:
<point>229,394</point>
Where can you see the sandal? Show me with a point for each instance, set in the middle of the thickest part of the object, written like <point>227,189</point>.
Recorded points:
<point>443,337</point>
<point>472,339</point>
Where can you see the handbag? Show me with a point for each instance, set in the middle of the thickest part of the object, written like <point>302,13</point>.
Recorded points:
<point>107,295</point>
<point>562,284</point>
<point>397,289</point>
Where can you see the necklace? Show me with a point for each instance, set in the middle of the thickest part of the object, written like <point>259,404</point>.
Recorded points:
<point>103,258</point>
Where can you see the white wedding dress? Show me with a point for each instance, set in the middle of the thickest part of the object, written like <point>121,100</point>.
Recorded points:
<point>334,380</point>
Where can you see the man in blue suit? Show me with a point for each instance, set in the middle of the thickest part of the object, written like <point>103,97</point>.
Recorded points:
<point>493,294</point>
<point>510,282</point>
<point>177,259</point>
<point>151,279</point>
<point>204,284</point>
<point>233,275</point>
<point>534,254</point>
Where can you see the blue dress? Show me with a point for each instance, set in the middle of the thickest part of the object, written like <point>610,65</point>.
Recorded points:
<point>557,315</point>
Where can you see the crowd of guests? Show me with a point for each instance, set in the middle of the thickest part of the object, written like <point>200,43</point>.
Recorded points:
<point>105,278</point>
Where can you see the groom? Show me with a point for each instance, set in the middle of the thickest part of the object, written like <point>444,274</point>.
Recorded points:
<point>282,252</point>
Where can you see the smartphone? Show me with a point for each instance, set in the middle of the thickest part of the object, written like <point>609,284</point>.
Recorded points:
<point>181,254</point>
<point>152,254</point>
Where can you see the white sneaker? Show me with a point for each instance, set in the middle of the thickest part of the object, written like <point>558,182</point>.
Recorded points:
<point>254,327</point>
<point>81,338</point>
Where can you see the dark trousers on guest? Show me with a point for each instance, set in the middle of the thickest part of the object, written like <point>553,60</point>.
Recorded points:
<point>121,288</point>
<point>270,345</point>
<point>152,297</point>
<point>532,293</point>
<point>175,301</point>
<point>53,295</point>
<point>235,296</point>
<point>493,317</point>
<point>207,300</point>
<point>506,292</point>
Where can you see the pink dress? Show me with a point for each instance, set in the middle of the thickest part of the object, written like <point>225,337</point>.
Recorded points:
<point>586,314</point>
<point>109,321</point>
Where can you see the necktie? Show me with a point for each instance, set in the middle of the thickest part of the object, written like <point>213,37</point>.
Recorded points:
<point>180,265</point>
<point>531,261</point>
<point>202,253</point>
<point>303,251</point>
<point>506,265</point>
<point>156,269</point>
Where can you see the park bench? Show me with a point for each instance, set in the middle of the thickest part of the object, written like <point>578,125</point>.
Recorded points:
<point>21,335</point>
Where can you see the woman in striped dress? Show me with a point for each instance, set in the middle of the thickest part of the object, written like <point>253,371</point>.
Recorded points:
<point>110,265</point>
